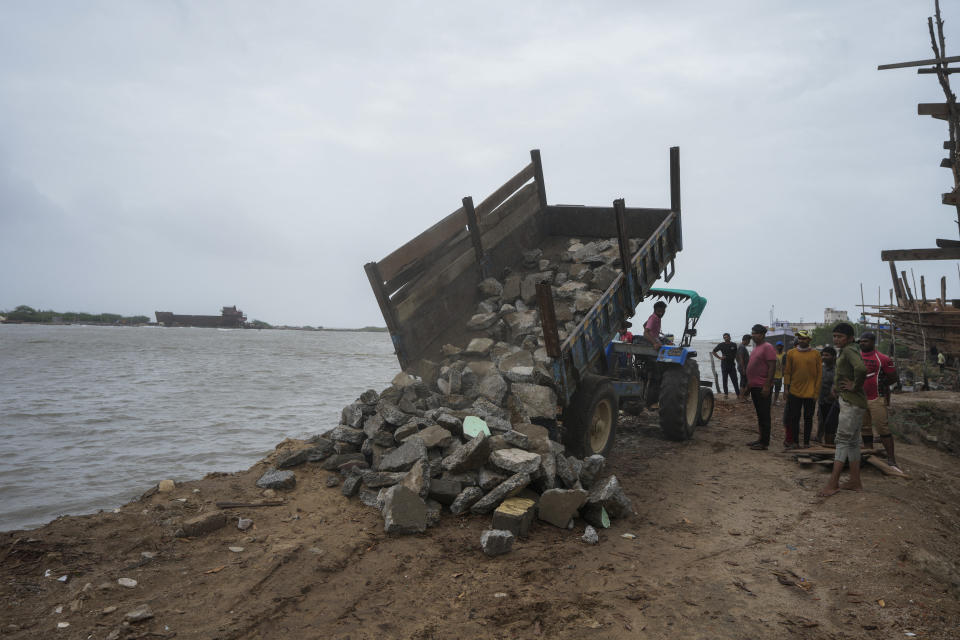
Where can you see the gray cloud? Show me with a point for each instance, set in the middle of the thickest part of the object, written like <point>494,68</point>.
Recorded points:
<point>184,156</point>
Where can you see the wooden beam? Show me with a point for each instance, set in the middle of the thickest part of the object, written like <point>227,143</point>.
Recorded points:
<point>918,63</point>
<point>376,281</point>
<point>923,290</point>
<point>943,290</point>
<point>949,145</point>
<point>475,235</point>
<point>496,198</point>
<point>948,71</point>
<point>952,253</point>
<point>933,109</point>
<point>896,282</point>
<point>946,163</point>
<point>943,243</point>
<point>538,176</point>
<point>548,319</point>
<point>675,192</point>
<point>906,286</point>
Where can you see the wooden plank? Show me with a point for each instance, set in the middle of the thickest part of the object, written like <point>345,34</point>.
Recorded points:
<point>918,63</point>
<point>948,70</point>
<point>943,243</point>
<point>933,109</point>
<point>496,198</point>
<point>948,145</point>
<point>506,209</point>
<point>426,291</point>
<point>946,163</point>
<point>517,217</point>
<point>423,244</point>
<point>884,468</point>
<point>952,253</point>
<point>409,274</point>
<point>434,266</point>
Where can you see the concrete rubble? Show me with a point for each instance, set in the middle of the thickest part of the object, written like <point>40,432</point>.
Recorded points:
<point>477,431</point>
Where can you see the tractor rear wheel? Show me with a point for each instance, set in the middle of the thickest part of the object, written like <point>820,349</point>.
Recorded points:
<point>680,400</point>
<point>590,421</point>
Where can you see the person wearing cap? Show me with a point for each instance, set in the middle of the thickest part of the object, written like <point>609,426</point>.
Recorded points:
<point>848,384</point>
<point>651,328</point>
<point>876,387</point>
<point>778,372</point>
<point>760,370</point>
<point>801,375</point>
<point>726,351</point>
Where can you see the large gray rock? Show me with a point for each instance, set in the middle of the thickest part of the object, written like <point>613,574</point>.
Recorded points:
<point>511,288</point>
<point>373,424</point>
<point>592,466</point>
<point>496,542</point>
<point>435,436</point>
<point>611,496</point>
<point>418,478</point>
<point>559,506</point>
<point>490,287</point>
<point>444,491</point>
<point>536,401</point>
<point>351,485</point>
<point>515,460</point>
<point>569,289</point>
<point>488,479</point>
<point>449,422</point>
<point>565,472</point>
<point>584,300</point>
<point>486,409</point>
<point>494,388</point>
<point>470,456</point>
<point>519,358</point>
<point>377,479</point>
<point>482,321</point>
<point>276,479</point>
<point>369,397</point>
<point>352,415</point>
<point>516,439</point>
<point>528,286</point>
<point>604,276</point>
<point>467,498</point>
<point>547,471</point>
<point>478,347</point>
<point>334,462</point>
<point>403,511</point>
<point>405,455</point>
<point>391,413</point>
<point>309,454</point>
<point>342,433</point>
<point>522,322</point>
<point>511,486</point>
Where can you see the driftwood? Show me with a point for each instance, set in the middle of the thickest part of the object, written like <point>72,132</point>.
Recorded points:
<point>237,505</point>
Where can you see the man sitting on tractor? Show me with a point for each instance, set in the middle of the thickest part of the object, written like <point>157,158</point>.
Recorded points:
<point>651,328</point>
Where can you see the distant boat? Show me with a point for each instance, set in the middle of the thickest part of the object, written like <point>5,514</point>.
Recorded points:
<point>229,318</point>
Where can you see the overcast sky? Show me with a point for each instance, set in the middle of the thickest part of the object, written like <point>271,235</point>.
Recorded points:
<point>183,156</point>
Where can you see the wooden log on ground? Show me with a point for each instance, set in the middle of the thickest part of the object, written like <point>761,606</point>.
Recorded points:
<point>884,468</point>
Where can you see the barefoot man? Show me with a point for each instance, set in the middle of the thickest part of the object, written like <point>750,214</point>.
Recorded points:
<point>850,374</point>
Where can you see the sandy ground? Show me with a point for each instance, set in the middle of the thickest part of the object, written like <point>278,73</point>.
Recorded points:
<point>730,543</point>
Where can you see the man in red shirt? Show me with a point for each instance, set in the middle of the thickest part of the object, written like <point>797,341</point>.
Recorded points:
<point>880,370</point>
<point>651,328</point>
<point>760,369</point>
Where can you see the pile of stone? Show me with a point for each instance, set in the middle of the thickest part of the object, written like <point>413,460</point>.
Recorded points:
<point>467,434</point>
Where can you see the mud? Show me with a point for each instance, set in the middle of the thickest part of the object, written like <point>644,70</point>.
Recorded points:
<point>729,543</point>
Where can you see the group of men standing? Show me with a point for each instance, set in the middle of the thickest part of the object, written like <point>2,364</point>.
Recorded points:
<point>849,387</point>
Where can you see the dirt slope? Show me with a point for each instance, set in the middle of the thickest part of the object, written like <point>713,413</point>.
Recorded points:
<point>730,543</point>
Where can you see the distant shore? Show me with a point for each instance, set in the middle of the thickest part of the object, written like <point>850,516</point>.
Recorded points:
<point>154,324</point>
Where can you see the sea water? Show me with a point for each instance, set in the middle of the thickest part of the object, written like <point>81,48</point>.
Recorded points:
<point>91,417</point>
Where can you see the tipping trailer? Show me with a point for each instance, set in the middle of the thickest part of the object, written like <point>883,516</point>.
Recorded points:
<point>428,289</point>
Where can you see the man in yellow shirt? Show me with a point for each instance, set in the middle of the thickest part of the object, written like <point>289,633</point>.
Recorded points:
<point>802,373</point>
